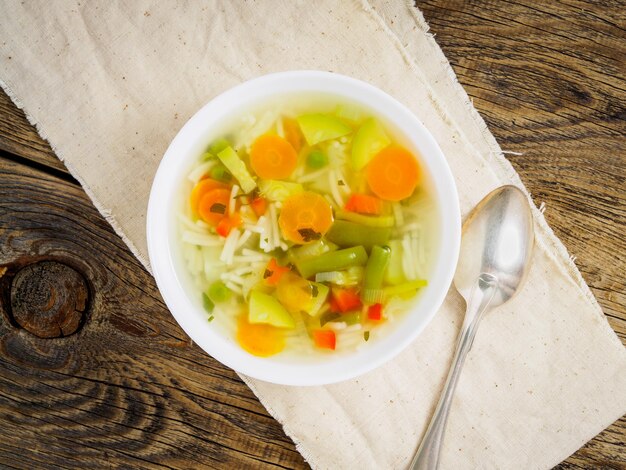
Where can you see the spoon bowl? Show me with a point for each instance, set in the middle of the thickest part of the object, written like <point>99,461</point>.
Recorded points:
<point>497,240</point>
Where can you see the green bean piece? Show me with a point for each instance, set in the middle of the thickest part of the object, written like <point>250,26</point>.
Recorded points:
<point>345,233</point>
<point>376,265</point>
<point>332,261</point>
<point>405,287</point>
<point>218,292</point>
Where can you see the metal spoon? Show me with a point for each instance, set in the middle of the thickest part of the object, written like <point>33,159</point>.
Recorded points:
<point>493,262</point>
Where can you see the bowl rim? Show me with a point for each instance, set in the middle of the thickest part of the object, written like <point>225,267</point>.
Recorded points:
<point>160,243</point>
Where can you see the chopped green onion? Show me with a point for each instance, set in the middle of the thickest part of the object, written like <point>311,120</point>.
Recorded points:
<point>211,318</point>
<point>206,156</point>
<point>317,159</point>
<point>311,250</point>
<point>218,292</point>
<point>275,190</point>
<point>405,287</point>
<point>367,220</point>
<point>332,261</point>
<point>349,277</point>
<point>366,335</point>
<point>345,233</point>
<point>207,303</point>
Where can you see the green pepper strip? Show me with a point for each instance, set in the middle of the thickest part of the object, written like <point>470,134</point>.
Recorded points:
<point>345,233</point>
<point>332,261</point>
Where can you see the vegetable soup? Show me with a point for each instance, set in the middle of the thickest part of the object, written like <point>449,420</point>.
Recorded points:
<point>307,225</point>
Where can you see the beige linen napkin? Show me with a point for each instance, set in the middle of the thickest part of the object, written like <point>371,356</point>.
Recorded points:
<point>110,85</point>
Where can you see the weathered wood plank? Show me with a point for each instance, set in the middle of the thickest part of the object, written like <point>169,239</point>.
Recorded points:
<point>128,388</point>
<point>19,137</point>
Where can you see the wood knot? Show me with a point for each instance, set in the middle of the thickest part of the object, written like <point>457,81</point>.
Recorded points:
<point>49,299</point>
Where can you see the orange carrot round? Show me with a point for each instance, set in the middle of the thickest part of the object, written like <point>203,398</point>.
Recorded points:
<point>305,217</point>
<point>272,157</point>
<point>200,189</point>
<point>260,339</point>
<point>393,174</point>
<point>213,205</point>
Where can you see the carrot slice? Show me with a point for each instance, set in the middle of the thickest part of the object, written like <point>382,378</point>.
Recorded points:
<point>213,205</point>
<point>200,189</point>
<point>393,174</point>
<point>364,204</point>
<point>292,133</point>
<point>259,205</point>
<point>272,157</point>
<point>325,339</point>
<point>274,272</point>
<point>305,217</point>
<point>260,339</point>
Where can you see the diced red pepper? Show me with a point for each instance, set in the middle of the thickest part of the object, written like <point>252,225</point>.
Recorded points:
<point>227,223</point>
<point>375,312</point>
<point>273,272</point>
<point>324,339</point>
<point>259,205</point>
<point>364,204</point>
<point>346,299</point>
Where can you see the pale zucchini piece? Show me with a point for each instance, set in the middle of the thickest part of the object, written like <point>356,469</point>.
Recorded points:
<point>321,127</point>
<point>237,168</point>
<point>369,139</point>
<point>267,309</point>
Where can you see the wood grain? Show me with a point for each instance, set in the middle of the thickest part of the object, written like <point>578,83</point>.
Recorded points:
<point>129,390</point>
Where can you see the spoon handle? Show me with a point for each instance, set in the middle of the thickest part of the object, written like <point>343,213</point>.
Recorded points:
<point>427,456</point>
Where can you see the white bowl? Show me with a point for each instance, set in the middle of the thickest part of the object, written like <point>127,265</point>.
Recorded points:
<point>191,141</point>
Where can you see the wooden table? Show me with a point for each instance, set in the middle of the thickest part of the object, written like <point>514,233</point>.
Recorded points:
<point>111,380</point>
